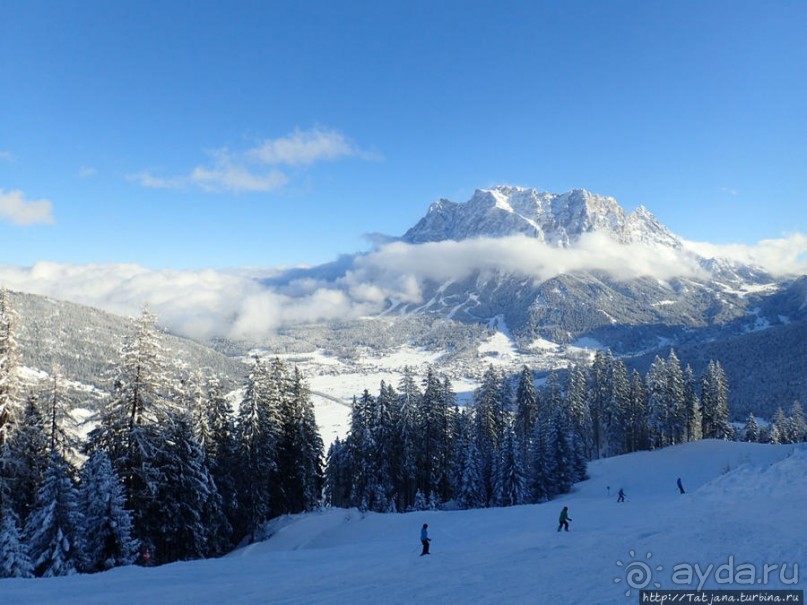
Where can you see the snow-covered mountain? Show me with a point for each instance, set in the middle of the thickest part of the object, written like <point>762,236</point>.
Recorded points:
<point>601,302</point>
<point>544,272</point>
<point>558,219</point>
<point>740,514</point>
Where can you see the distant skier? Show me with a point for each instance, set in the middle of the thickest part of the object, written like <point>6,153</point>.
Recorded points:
<point>621,495</point>
<point>424,539</point>
<point>680,485</point>
<point>564,519</point>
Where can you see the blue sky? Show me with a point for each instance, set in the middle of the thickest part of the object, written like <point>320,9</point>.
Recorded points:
<point>202,134</point>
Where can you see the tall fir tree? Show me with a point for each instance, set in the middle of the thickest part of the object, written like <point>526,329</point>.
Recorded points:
<point>751,429</point>
<point>15,560</point>
<point>257,436</point>
<point>221,448</point>
<point>52,528</point>
<point>10,395</point>
<point>692,404</point>
<point>511,477</point>
<point>637,428</point>
<point>526,404</point>
<point>715,403</point>
<point>106,529</point>
<point>28,449</point>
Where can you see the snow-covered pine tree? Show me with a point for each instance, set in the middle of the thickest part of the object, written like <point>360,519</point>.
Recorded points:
<point>715,403</point>
<point>575,397</point>
<point>470,490</point>
<point>598,399</point>
<point>60,424</point>
<point>186,510</point>
<point>384,438</point>
<point>15,561</point>
<point>434,422</point>
<point>142,400</point>
<point>257,452</point>
<point>360,447</point>
<point>616,410</point>
<point>658,410</point>
<point>693,428</point>
<point>407,439</point>
<point>526,404</point>
<point>561,450</point>
<point>637,437</point>
<point>751,429</point>
<point>796,426</point>
<point>489,424</point>
<point>304,481</point>
<point>106,530</point>
<point>10,401</point>
<point>511,482</point>
<point>675,399</point>
<point>51,530</point>
<point>337,475</point>
<point>221,449</point>
<point>28,449</point>
<point>10,397</point>
<point>778,427</point>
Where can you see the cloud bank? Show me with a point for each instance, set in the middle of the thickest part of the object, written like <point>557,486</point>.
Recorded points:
<point>18,210</point>
<point>262,167</point>
<point>240,304</point>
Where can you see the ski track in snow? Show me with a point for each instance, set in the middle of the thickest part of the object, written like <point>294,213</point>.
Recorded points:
<point>743,500</point>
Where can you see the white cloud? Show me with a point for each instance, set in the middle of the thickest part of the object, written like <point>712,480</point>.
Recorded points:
<point>258,168</point>
<point>303,148</point>
<point>86,172</point>
<point>19,211</point>
<point>7,156</point>
<point>237,304</point>
<point>228,174</point>
<point>781,256</point>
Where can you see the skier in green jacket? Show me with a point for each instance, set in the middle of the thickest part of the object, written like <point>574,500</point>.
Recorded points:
<point>564,519</point>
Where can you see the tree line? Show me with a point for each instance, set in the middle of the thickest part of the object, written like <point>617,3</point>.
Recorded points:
<point>413,448</point>
<point>170,469</point>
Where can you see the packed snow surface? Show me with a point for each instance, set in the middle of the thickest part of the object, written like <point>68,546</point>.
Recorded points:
<point>744,506</point>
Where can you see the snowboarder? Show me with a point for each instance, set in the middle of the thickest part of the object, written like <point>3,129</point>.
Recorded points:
<point>621,495</point>
<point>564,519</point>
<point>424,539</point>
<point>680,485</point>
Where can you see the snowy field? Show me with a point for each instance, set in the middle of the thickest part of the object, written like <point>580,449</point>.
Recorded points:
<point>744,509</point>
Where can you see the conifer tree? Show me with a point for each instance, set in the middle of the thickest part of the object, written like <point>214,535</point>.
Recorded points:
<point>715,403</point>
<point>511,483</point>
<point>107,525</point>
<point>488,427</point>
<point>51,530</point>
<point>9,363</point>
<point>221,448</point>
<point>28,449</point>
<point>407,439</point>
<point>694,421</point>
<point>10,397</point>
<point>186,518</point>
<point>637,437</point>
<point>15,561</point>
<point>304,449</point>
<point>526,404</point>
<point>796,427</point>
<point>751,429</point>
<point>257,451</point>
